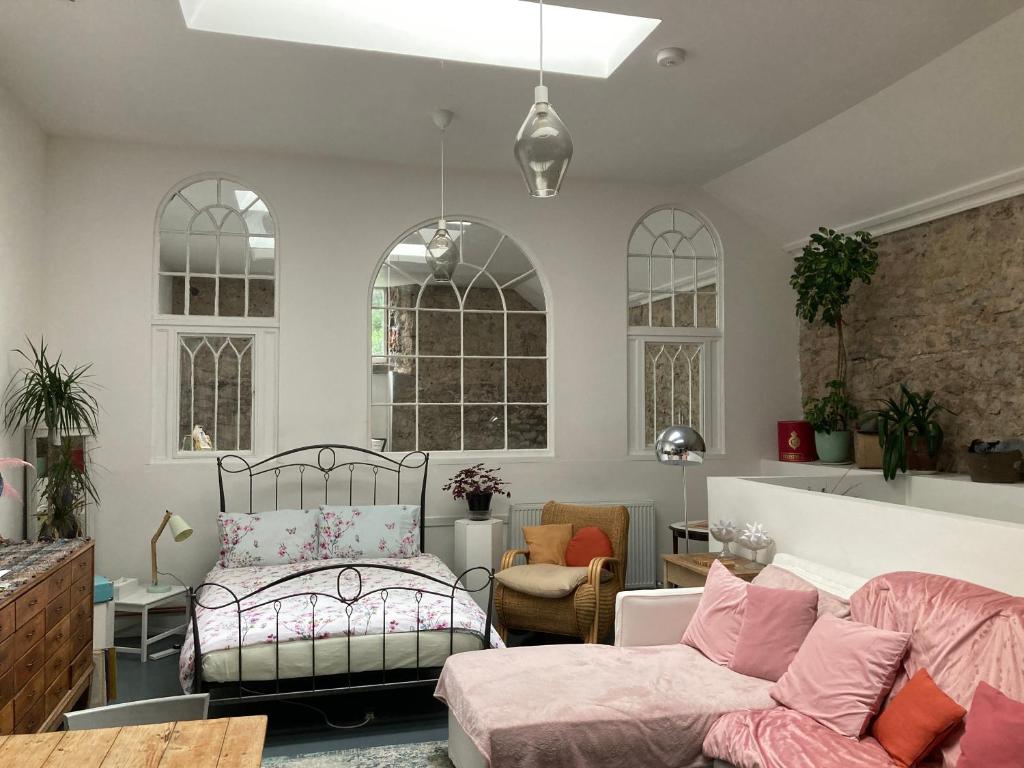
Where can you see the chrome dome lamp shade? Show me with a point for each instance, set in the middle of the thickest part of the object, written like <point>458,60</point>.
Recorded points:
<point>543,146</point>
<point>679,446</point>
<point>442,254</point>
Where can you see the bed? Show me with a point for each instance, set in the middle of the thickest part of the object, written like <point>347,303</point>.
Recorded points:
<point>286,616</point>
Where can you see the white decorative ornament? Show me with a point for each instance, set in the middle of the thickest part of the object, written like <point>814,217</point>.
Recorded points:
<point>754,537</point>
<point>724,531</point>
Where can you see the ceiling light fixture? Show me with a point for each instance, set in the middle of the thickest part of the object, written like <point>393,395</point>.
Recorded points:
<point>442,255</point>
<point>543,146</point>
<point>671,56</point>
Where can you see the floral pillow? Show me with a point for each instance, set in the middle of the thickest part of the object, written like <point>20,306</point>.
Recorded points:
<point>369,531</point>
<point>269,538</point>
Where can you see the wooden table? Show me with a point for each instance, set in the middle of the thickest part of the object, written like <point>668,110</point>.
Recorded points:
<point>692,570</point>
<point>235,742</point>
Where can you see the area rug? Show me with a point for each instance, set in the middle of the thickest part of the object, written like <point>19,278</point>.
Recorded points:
<point>429,754</point>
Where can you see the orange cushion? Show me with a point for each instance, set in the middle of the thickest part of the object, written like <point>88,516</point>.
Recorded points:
<point>547,543</point>
<point>917,720</point>
<point>588,543</point>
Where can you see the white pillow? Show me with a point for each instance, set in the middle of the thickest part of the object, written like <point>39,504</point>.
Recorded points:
<point>268,538</point>
<point>391,530</point>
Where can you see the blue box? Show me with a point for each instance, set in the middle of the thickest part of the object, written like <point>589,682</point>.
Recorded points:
<point>102,589</point>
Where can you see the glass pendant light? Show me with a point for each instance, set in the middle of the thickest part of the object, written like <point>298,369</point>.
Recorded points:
<point>543,146</point>
<point>442,255</point>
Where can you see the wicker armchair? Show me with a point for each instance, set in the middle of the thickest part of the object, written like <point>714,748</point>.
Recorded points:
<point>589,612</point>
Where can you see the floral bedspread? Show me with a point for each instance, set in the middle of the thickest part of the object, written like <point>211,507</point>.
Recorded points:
<point>218,626</point>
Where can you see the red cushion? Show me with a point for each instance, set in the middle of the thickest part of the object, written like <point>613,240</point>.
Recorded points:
<point>587,544</point>
<point>917,720</point>
<point>995,730</point>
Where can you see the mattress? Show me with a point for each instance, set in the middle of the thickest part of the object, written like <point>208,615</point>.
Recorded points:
<point>374,632</point>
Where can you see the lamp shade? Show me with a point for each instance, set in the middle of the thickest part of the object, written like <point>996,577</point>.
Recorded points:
<point>680,445</point>
<point>442,255</point>
<point>180,530</point>
<point>543,147</point>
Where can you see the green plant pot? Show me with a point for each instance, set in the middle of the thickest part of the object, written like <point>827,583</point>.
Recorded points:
<point>834,447</point>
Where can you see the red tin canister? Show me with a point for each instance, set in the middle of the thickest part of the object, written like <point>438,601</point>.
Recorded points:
<point>796,441</point>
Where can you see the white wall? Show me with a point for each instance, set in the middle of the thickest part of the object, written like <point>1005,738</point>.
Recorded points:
<point>950,130</point>
<point>335,219</point>
<point>22,172</point>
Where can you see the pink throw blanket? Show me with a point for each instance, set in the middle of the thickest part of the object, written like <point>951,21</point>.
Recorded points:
<point>573,706</point>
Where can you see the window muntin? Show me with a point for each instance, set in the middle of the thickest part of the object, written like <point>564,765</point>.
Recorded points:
<point>459,366</point>
<point>217,254</point>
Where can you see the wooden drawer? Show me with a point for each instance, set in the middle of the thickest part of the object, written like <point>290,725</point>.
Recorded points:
<point>57,664</point>
<point>6,655</point>
<point>81,588</point>
<point>29,665</point>
<point>29,696</point>
<point>7,621</point>
<point>29,634</point>
<point>59,582</point>
<point>82,664</point>
<point>56,691</point>
<point>56,610</point>
<point>81,626</point>
<point>29,605</point>
<point>81,567</point>
<point>7,688</point>
<point>7,719</point>
<point>57,636</point>
<point>33,718</point>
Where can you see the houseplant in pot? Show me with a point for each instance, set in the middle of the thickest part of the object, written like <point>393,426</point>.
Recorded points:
<point>823,275</point>
<point>830,417</point>
<point>477,485</point>
<point>909,433</point>
<point>49,393</point>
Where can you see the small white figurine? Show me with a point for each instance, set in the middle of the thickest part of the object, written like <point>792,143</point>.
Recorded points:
<point>200,440</point>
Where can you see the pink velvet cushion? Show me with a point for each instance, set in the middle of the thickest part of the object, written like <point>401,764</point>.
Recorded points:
<point>715,627</point>
<point>995,730</point>
<point>842,673</point>
<point>780,578</point>
<point>775,623</point>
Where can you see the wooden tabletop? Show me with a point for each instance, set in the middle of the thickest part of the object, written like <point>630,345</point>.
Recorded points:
<point>234,742</point>
<point>700,563</point>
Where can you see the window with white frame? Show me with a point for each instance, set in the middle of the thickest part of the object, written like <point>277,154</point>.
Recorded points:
<point>674,282</point>
<point>215,321</point>
<point>459,365</point>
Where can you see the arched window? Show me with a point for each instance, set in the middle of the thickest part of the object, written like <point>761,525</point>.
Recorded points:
<point>215,320</point>
<point>674,268</point>
<point>460,365</point>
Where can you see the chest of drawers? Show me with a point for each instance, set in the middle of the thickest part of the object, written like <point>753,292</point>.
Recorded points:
<point>45,637</point>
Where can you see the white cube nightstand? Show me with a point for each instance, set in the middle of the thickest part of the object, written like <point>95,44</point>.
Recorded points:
<point>131,597</point>
<point>478,543</point>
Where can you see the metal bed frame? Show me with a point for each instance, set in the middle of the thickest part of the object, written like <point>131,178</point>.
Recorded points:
<point>324,460</point>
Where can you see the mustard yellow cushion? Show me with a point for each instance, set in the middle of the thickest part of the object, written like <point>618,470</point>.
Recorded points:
<point>543,580</point>
<point>547,543</point>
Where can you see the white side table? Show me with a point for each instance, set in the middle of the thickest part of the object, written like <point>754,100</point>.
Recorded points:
<point>134,598</point>
<point>478,543</point>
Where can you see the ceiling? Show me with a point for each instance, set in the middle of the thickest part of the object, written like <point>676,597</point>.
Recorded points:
<point>758,73</point>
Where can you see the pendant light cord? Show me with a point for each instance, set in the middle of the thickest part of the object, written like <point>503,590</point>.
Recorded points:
<point>442,173</point>
<point>541,42</point>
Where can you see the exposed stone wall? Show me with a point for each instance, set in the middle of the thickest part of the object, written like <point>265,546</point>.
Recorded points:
<point>945,312</point>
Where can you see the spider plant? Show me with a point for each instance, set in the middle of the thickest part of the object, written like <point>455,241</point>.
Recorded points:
<point>905,422</point>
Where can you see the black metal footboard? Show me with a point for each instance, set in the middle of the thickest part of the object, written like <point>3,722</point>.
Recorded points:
<point>347,593</point>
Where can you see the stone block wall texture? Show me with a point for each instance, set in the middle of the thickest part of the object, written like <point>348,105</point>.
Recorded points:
<point>944,312</point>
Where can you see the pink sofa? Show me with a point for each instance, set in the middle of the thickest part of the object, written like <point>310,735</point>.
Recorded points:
<point>961,633</point>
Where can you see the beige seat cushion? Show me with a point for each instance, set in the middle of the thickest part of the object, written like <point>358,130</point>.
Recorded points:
<point>545,580</point>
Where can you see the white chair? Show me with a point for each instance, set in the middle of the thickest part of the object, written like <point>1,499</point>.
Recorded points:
<point>167,710</point>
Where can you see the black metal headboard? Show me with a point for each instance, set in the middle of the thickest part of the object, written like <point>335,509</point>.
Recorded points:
<point>364,467</point>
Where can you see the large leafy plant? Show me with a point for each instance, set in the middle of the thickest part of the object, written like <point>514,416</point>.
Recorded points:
<point>832,413</point>
<point>910,417</point>
<point>823,275</point>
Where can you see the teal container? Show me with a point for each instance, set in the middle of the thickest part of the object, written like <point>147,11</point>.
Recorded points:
<point>834,447</point>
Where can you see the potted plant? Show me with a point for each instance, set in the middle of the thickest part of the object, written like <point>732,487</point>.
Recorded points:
<point>830,417</point>
<point>477,485</point>
<point>908,432</point>
<point>48,392</point>
<point>823,275</point>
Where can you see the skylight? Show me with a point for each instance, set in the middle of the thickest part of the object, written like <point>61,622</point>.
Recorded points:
<point>498,32</point>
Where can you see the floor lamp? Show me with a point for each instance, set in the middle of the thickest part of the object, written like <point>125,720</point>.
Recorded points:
<point>678,446</point>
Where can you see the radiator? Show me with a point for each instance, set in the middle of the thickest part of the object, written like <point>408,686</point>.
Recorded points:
<point>642,558</point>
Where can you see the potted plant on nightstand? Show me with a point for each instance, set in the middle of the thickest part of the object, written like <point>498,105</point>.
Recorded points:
<point>908,432</point>
<point>830,417</point>
<point>477,485</point>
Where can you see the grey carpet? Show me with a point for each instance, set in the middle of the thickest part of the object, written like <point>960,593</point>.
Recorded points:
<point>430,754</point>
